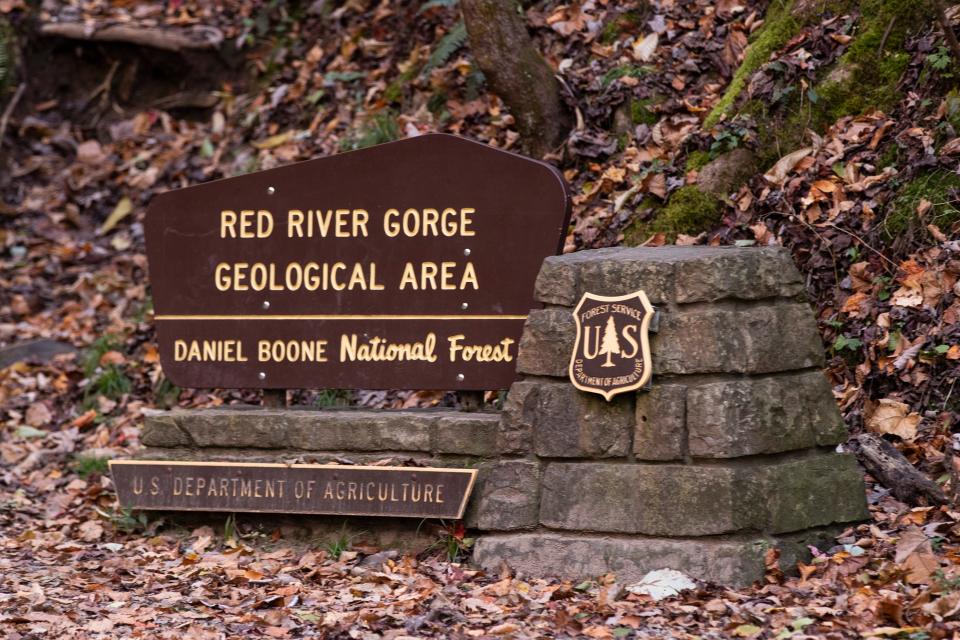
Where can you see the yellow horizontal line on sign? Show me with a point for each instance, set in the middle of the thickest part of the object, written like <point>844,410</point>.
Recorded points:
<point>335,317</point>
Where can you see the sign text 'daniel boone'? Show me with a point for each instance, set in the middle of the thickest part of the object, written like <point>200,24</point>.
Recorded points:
<point>406,265</point>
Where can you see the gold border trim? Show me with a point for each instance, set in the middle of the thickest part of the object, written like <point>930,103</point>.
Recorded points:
<point>275,465</point>
<point>644,342</point>
<point>337,317</point>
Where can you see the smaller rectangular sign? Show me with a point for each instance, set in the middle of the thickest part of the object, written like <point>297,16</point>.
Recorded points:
<point>421,492</point>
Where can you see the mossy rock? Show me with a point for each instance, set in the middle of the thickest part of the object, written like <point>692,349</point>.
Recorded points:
<point>689,211</point>
<point>937,187</point>
<point>864,77</point>
<point>779,26</point>
<point>727,172</point>
<point>696,160</point>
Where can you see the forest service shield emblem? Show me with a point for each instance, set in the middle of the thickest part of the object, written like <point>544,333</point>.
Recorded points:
<point>612,351</point>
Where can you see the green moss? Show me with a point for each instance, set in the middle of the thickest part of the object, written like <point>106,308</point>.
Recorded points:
<point>393,92</point>
<point>689,211</point>
<point>640,112</point>
<point>6,53</point>
<point>889,157</point>
<point>873,64</point>
<point>381,127</point>
<point>871,71</point>
<point>952,103</point>
<point>876,57</point>
<point>622,71</point>
<point>778,27</point>
<point>784,138</point>
<point>628,21</point>
<point>88,465</point>
<point>696,160</point>
<point>935,187</point>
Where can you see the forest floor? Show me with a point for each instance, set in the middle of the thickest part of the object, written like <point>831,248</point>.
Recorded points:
<point>85,148</point>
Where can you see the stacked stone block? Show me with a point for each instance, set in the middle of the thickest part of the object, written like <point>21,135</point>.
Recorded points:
<point>729,452</point>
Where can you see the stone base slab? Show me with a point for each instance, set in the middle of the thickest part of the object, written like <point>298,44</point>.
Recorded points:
<point>305,429</point>
<point>734,560</point>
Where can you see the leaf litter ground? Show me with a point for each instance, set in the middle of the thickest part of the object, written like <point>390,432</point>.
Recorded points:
<point>82,165</point>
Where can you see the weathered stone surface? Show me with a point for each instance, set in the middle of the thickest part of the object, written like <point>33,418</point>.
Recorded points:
<point>670,274</point>
<point>571,424</point>
<point>546,343</point>
<point>754,338</point>
<point>312,430</point>
<point>727,172</point>
<point>506,497</point>
<point>660,418</point>
<point>516,421</point>
<point>467,434</point>
<point>762,415</point>
<point>291,456</point>
<point>749,274</point>
<point>160,429</point>
<point>362,431</point>
<point>691,500</point>
<point>736,560</point>
<point>613,271</point>
<point>741,338</point>
<point>557,282</point>
<point>657,500</point>
<point>814,491</point>
<point>795,547</point>
<point>732,561</point>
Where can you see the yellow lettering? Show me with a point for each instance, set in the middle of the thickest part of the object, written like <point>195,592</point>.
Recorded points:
<point>222,281</point>
<point>409,277</point>
<point>631,340</point>
<point>228,222</point>
<point>469,277</point>
<point>295,221</point>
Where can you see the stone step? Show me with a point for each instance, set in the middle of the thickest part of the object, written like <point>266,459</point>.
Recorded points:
<point>737,417</point>
<point>678,417</point>
<point>734,560</point>
<point>670,274</point>
<point>238,427</point>
<point>673,500</point>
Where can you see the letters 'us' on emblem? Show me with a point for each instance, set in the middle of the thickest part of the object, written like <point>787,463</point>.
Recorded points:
<point>612,351</point>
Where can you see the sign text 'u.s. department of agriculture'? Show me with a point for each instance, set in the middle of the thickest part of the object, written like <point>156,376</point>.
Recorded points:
<point>295,488</point>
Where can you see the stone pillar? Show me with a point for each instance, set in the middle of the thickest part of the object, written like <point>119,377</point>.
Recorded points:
<point>731,450</point>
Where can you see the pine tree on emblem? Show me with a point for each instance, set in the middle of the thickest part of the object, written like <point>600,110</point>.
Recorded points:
<point>610,344</point>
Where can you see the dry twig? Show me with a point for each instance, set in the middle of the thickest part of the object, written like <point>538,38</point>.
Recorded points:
<point>10,107</point>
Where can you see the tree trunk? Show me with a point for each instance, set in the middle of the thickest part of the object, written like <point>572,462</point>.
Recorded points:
<point>517,73</point>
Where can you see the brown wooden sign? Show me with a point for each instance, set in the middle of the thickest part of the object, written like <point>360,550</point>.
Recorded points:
<point>406,265</point>
<point>344,490</point>
<point>612,351</point>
